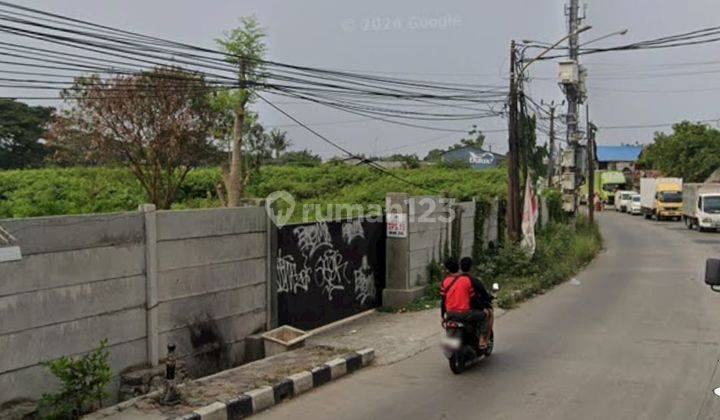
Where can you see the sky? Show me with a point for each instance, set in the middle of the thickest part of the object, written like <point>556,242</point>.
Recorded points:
<point>460,41</point>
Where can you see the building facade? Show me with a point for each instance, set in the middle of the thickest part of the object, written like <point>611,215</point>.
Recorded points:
<point>475,157</point>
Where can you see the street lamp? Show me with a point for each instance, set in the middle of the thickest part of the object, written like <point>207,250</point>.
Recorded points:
<point>540,44</point>
<point>552,47</point>
<point>620,32</point>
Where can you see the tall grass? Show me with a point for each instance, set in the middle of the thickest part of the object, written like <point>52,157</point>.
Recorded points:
<point>561,252</point>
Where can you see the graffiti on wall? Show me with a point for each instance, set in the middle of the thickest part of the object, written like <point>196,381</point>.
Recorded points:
<point>328,270</point>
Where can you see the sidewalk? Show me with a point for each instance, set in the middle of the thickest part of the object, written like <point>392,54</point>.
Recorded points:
<point>393,336</point>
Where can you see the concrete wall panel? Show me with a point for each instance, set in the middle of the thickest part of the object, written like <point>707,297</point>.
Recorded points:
<point>212,250</point>
<point>31,382</point>
<point>43,271</point>
<point>210,222</point>
<point>186,282</point>
<point>182,312</point>
<point>34,309</point>
<point>54,234</point>
<point>30,347</point>
<point>231,329</point>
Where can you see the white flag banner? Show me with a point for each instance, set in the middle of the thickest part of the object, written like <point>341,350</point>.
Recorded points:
<point>530,216</point>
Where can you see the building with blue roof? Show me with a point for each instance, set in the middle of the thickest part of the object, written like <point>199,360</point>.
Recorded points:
<point>618,158</point>
<point>476,158</point>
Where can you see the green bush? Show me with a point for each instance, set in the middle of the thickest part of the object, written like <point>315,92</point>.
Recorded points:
<point>554,201</point>
<point>561,252</point>
<point>83,381</point>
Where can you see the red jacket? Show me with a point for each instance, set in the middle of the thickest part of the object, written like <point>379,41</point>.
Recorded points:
<point>457,295</point>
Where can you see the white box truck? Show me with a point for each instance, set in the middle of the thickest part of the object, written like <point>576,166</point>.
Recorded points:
<point>701,206</point>
<point>661,198</point>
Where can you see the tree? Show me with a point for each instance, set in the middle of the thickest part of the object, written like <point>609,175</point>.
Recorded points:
<point>531,155</point>
<point>409,161</point>
<point>475,139</point>
<point>158,123</point>
<point>70,145</point>
<point>299,158</point>
<point>245,50</point>
<point>258,147</point>
<point>691,152</point>
<point>278,142</point>
<point>21,129</point>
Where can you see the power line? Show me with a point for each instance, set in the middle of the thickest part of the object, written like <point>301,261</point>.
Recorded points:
<point>345,150</point>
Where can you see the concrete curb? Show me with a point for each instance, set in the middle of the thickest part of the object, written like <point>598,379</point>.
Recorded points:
<point>260,399</point>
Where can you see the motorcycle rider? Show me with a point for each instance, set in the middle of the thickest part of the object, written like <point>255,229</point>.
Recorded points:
<point>482,300</point>
<point>456,300</point>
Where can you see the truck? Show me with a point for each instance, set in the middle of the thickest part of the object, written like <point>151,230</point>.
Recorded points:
<point>606,184</point>
<point>701,206</point>
<point>661,198</point>
<point>623,200</point>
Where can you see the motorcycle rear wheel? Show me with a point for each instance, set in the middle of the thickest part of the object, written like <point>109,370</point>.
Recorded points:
<point>457,363</point>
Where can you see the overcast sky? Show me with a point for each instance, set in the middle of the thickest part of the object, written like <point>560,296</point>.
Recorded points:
<point>632,88</point>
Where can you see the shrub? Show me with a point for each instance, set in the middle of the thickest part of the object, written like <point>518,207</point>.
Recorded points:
<point>83,381</point>
<point>561,252</point>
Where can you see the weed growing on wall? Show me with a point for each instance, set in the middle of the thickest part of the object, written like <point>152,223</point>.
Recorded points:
<point>82,385</point>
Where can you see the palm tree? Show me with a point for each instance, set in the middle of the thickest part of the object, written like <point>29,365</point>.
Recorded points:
<point>279,142</point>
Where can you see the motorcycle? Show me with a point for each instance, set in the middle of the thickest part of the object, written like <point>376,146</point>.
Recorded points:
<point>461,345</point>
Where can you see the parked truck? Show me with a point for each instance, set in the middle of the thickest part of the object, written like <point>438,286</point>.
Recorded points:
<point>661,198</point>
<point>607,183</point>
<point>701,206</point>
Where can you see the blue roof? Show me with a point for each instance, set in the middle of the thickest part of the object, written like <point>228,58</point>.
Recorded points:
<point>618,153</point>
<point>477,158</point>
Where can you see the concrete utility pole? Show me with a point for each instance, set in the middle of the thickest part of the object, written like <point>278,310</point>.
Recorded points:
<point>513,209</point>
<point>574,97</point>
<point>591,164</point>
<point>551,148</point>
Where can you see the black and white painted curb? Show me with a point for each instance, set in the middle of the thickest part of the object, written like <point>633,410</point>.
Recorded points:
<point>259,399</point>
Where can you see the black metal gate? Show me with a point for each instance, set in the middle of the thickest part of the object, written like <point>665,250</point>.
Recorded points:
<point>327,271</point>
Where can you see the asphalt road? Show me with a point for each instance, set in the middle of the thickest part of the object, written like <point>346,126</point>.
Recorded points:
<point>637,338</point>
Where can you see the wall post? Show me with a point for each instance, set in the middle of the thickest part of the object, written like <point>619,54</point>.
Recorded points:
<point>272,247</point>
<point>151,282</point>
<point>398,291</point>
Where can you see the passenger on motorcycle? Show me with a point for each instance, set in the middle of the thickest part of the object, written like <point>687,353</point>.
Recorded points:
<point>459,300</point>
<point>482,300</point>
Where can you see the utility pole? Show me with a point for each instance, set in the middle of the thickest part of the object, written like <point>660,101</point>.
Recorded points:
<point>573,97</point>
<point>591,164</point>
<point>513,209</point>
<point>551,152</point>
<point>551,142</point>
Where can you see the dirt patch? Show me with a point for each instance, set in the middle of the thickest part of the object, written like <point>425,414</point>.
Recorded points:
<point>233,382</point>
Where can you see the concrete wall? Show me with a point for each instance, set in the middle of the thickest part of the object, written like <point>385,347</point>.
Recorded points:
<point>211,275</point>
<point>430,227</point>
<point>466,214</point>
<point>491,224</point>
<point>408,258</point>
<point>138,279</point>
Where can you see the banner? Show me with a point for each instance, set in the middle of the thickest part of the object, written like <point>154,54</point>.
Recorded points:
<point>530,216</point>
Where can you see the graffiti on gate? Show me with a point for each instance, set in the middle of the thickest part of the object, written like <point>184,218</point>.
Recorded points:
<point>289,278</point>
<point>329,270</point>
<point>364,282</point>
